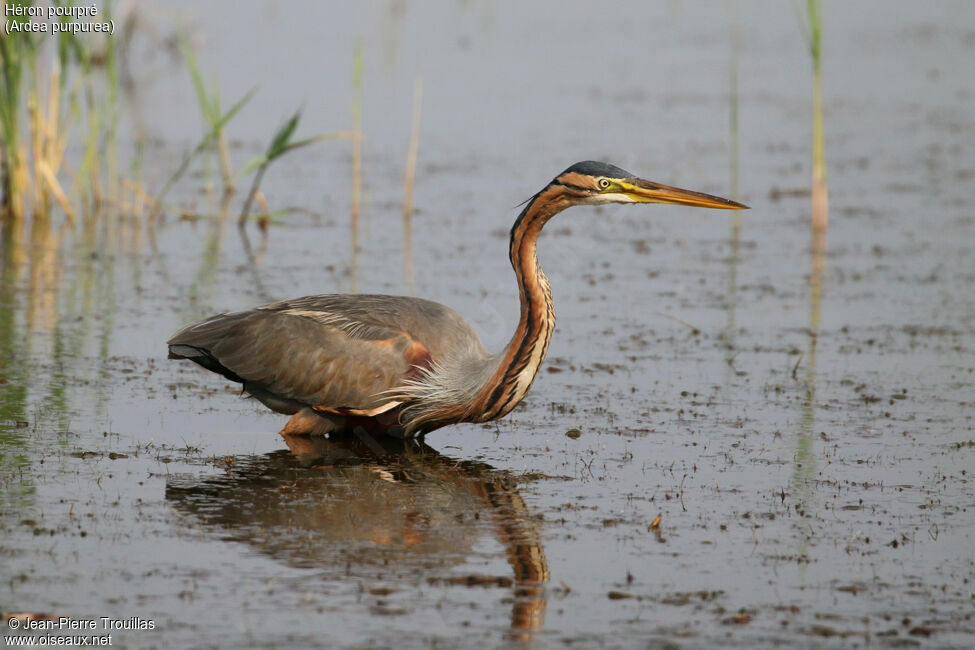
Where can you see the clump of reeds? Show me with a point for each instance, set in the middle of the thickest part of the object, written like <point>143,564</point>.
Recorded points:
<point>33,184</point>
<point>17,55</point>
<point>83,90</point>
<point>49,142</point>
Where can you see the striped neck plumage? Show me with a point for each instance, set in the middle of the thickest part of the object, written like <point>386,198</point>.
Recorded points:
<point>525,352</point>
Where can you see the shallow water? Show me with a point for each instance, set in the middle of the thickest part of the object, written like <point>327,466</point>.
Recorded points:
<point>810,459</point>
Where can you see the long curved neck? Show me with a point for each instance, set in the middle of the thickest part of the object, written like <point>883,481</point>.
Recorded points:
<point>523,355</point>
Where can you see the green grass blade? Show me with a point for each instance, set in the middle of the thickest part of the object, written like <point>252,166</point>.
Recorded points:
<point>235,108</point>
<point>254,163</point>
<point>207,141</point>
<point>198,85</point>
<point>315,138</point>
<point>279,144</point>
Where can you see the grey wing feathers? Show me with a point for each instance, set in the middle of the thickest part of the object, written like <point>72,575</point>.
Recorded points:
<point>372,316</point>
<point>335,351</point>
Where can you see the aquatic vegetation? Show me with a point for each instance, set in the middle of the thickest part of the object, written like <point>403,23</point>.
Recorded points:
<point>356,109</point>
<point>408,184</point>
<point>213,113</point>
<point>281,143</point>
<point>820,194</point>
<point>82,84</point>
<point>17,55</point>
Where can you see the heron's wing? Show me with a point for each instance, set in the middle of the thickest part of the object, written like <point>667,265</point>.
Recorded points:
<point>371,316</point>
<point>311,355</point>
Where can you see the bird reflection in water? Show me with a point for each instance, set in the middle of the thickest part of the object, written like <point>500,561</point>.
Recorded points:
<point>367,507</point>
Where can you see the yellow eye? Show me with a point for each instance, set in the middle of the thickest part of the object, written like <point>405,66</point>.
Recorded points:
<point>604,183</point>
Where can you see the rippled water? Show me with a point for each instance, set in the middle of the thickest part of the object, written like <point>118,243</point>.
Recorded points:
<point>809,458</point>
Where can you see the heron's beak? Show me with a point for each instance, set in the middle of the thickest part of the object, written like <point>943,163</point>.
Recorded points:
<point>641,191</point>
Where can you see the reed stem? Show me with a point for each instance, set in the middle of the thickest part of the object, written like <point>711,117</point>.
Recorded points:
<point>408,183</point>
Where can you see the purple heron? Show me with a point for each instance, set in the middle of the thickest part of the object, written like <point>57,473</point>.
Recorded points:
<point>399,365</point>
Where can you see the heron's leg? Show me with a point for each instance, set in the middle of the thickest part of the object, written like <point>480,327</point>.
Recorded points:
<point>396,431</point>
<point>389,425</point>
<point>369,441</point>
<point>308,422</point>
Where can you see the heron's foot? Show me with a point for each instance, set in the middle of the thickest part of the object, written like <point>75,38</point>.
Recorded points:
<point>308,422</point>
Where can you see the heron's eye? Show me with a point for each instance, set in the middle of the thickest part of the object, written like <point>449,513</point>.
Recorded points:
<point>604,183</point>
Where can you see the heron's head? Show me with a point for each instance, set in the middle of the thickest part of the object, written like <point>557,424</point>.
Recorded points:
<point>593,183</point>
